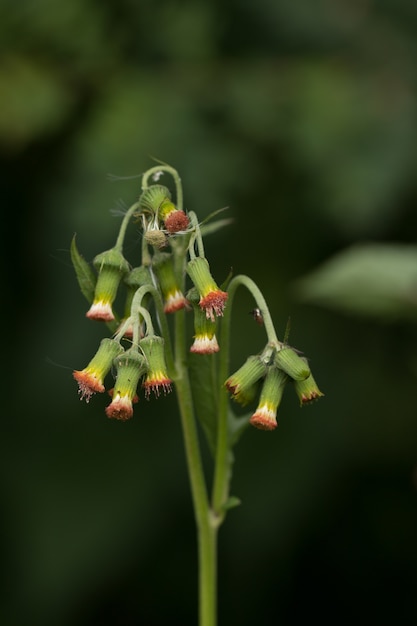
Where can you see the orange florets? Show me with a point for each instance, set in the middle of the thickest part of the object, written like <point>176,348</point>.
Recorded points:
<point>176,221</point>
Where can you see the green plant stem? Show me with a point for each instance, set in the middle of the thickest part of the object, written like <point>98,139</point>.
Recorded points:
<point>135,308</point>
<point>169,170</point>
<point>251,286</point>
<point>206,528</point>
<point>124,225</point>
<point>195,237</point>
<point>221,481</point>
<point>206,524</point>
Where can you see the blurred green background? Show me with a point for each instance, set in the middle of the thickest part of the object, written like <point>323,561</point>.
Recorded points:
<point>301,117</point>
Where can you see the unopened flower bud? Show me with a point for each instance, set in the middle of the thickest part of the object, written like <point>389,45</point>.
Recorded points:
<point>292,364</point>
<point>265,416</point>
<point>111,266</point>
<point>243,383</point>
<point>130,366</point>
<point>212,299</point>
<point>138,276</point>
<point>174,299</point>
<point>157,378</point>
<point>91,379</point>
<point>156,238</point>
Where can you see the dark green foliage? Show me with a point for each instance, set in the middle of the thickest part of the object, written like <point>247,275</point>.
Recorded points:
<point>375,280</point>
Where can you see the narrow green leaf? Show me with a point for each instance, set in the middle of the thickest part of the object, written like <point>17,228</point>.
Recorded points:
<point>231,503</point>
<point>213,214</point>
<point>209,229</point>
<point>237,426</point>
<point>204,385</point>
<point>84,273</point>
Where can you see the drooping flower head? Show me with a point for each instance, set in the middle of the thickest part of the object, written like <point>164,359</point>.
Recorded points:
<point>265,415</point>
<point>130,367</point>
<point>292,363</point>
<point>212,299</point>
<point>243,383</point>
<point>152,198</point>
<point>111,266</point>
<point>149,202</point>
<point>205,340</point>
<point>174,299</point>
<point>91,379</point>
<point>157,378</point>
<point>307,390</point>
<point>175,220</point>
<point>157,199</point>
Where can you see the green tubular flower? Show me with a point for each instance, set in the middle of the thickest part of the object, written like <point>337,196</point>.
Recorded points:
<point>307,390</point>
<point>91,379</point>
<point>205,340</point>
<point>157,378</point>
<point>174,299</point>
<point>243,383</point>
<point>111,266</point>
<point>130,367</point>
<point>212,299</point>
<point>157,199</point>
<point>265,415</point>
<point>152,197</point>
<point>150,200</point>
<point>292,363</point>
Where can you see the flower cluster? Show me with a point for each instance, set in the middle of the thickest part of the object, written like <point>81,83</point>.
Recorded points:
<point>136,355</point>
<point>145,362</point>
<point>161,218</point>
<point>156,288</point>
<point>271,371</point>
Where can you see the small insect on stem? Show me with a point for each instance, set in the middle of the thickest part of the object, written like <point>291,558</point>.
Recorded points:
<point>257,316</point>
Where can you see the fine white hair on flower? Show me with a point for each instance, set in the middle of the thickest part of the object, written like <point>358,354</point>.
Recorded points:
<point>113,178</point>
<point>120,209</point>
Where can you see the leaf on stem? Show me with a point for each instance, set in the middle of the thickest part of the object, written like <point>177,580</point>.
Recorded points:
<point>231,503</point>
<point>84,273</point>
<point>376,280</point>
<point>237,426</point>
<point>203,382</point>
<point>205,394</point>
<point>208,229</point>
